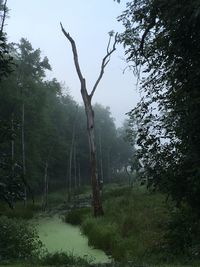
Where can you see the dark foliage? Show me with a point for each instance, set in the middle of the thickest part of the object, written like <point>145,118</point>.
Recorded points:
<point>162,42</point>
<point>65,259</point>
<point>18,240</point>
<point>162,38</point>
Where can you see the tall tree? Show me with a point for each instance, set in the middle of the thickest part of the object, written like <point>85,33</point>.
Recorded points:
<point>161,38</point>
<point>9,182</point>
<point>5,58</point>
<point>87,98</point>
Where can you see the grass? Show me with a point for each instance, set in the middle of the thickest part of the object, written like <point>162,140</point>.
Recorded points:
<point>133,227</point>
<point>76,216</point>
<point>23,264</point>
<point>20,210</point>
<point>27,211</point>
<point>51,259</point>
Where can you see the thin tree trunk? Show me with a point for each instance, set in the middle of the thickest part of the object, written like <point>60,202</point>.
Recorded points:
<point>130,183</point>
<point>79,175</point>
<point>108,166</point>
<point>24,156</point>
<point>70,173</point>
<point>46,186</point>
<point>101,160</point>
<point>75,172</point>
<point>75,168</point>
<point>70,161</point>
<point>12,146</point>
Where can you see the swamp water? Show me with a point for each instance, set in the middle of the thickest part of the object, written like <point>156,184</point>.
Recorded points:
<point>57,235</point>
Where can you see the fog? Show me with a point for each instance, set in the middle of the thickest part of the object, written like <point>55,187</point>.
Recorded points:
<point>88,22</point>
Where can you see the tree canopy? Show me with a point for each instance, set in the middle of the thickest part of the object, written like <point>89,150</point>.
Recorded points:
<point>161,40</point>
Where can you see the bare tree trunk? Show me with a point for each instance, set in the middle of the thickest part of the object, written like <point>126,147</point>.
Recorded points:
<point>24,157</point>
<point>46,186</point>
<point>97,203</point>
<point>75,168</point>
<point>130,182</point>
<point>12,145</point>
<point>70,161</point>
<point>108,166</point>
<point>69,189</point>
<point>79,175</point>
<point>101,160</point>
<point>75,173</point>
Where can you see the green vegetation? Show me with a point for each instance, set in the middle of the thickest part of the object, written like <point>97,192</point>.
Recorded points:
<point>132,226</point>
<point>76,216</point>
<point>50,259</point>
<point>161,40</point>
<point>135,227</point>
<point>18,240</point>
<point>20,210</point>
<point>64,259</point>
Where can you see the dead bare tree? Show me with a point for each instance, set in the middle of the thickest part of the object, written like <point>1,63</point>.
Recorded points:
<point>87,98</point>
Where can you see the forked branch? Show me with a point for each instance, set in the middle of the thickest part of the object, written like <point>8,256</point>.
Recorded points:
<point>105,61</point>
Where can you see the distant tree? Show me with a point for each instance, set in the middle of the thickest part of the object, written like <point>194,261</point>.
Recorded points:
<point>105,132</point>
<point>5,58</point>
<point>9,184</point>
<point>97,205</point>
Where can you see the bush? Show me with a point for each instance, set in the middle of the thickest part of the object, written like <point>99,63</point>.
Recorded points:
<point>133,224</point>
<point>183,235</point>
<point>64,259</point>
<point>18,239</point>
<point>76,216</point>
<point>101,234</point>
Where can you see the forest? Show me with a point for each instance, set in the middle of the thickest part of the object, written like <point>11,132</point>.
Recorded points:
<point>78,190</point>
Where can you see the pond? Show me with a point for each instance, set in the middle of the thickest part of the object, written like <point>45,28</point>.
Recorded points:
<point>57,235</point>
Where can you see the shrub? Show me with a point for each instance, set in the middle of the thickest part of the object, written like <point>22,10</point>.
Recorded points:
<point>64,259</point>
<point>132,225</point>
<point>18,239</point>
<point>101,234</point>
<point>76,216</point>
<point>183,235</point>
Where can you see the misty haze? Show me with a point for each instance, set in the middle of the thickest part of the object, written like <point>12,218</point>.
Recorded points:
<point>99,133</point>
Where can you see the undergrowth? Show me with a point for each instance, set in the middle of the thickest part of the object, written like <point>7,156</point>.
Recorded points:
<point>133,228</point>
<point>76,216</point>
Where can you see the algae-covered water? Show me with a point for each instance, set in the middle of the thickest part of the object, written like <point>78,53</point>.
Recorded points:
<point>57,235</point>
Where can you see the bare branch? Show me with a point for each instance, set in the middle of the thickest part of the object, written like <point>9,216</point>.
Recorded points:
<point>108,46</point>
<point>75,54</point>
<point>104,63</point>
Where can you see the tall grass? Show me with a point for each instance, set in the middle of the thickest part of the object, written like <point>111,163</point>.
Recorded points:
<point>133,226</point>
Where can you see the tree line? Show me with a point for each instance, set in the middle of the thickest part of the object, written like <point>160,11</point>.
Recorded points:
<point>44,143</point>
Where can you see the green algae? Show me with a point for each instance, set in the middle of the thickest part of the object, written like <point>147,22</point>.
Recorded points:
<point>57,235</point>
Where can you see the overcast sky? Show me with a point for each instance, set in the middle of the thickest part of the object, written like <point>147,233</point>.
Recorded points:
<point>88,22</point>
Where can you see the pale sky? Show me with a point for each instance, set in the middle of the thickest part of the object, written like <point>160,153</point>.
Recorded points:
<point>88,22</point>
